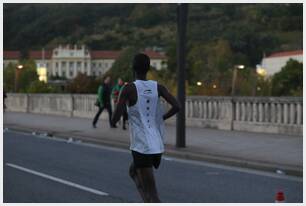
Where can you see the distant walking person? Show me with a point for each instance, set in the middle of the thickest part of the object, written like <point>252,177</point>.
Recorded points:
<point>146,122</point>
<point>104,101</point>
<point>4,97</point>
<point>115,94</point>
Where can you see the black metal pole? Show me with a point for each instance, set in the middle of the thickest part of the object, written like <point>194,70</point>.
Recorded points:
<point>181,61</point>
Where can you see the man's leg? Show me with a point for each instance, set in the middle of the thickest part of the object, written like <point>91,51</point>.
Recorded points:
<point>134,176</point>
<point>97,116</point>
<point>109,110</point>
<point>147,182</point>
<point>125,117</point>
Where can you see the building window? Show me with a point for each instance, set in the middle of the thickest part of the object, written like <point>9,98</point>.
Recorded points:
<point>64,73</point>
<point>94,73</point>
<point>106,64</point>
<point>47,65</point>
<point>93,65</point>
<point>78,65</point>
<point>70,73</point>
<point>85,64</point>
<point>56,64</point>
<point>71,65</point>
<point>100,65</point>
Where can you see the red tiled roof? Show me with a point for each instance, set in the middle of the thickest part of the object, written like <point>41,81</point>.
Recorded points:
<point>99,54</point>
<point>39,54</point>
<point>154,54</point>
<point>11,54</point>
<point>286,53</point>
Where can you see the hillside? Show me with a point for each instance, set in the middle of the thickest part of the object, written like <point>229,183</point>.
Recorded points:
<point>251,29</point>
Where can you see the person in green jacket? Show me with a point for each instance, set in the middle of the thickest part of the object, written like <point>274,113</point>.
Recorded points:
<point>104,101</point>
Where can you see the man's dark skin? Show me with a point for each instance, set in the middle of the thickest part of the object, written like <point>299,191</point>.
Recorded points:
<point>143,177</point>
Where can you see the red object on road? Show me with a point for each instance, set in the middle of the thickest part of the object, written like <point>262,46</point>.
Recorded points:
<point>280,197</point>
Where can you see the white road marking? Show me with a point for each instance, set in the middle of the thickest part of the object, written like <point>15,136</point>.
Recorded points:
<point>65,182</point>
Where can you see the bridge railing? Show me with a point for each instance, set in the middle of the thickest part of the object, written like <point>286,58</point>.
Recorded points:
<point>283,115</point>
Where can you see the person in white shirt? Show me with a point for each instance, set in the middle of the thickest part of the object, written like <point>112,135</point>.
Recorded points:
<point>146,125</point>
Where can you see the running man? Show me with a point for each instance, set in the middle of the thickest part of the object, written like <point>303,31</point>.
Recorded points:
<point>145,125</point>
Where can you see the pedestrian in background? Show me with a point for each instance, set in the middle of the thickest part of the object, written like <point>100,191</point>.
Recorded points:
<point>115,95</point>
<point>104,101</point>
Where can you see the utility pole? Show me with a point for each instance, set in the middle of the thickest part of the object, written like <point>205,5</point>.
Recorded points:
<point>181,63</point>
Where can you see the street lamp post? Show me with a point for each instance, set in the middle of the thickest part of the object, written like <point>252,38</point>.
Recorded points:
<point>236,67</point>
<point>17,73</point>
<point>181,56</point>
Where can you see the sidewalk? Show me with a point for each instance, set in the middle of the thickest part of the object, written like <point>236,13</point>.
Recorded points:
<point>244,149</point>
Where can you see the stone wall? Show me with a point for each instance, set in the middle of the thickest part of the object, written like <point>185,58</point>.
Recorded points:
<point>280,115</point>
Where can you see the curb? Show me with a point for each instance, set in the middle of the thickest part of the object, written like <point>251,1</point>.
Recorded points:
<point>177,153</point>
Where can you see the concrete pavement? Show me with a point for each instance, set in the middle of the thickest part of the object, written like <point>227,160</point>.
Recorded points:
<point>244,149</point>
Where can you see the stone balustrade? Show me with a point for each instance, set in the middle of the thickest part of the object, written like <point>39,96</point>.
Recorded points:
<point>280,115</point>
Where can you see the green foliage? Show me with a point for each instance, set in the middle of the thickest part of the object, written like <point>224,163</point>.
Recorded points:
<point>41,87</point>
<point>289,81</point>
<point>83,84</point>
<point>211,64</point>
<point>9,77</point>
<point>123,65</point>
<point>27,75</point>
<point>218,37</point>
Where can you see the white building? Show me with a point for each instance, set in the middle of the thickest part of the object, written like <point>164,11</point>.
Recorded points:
<point>67,61</point>
<point>274,62</point>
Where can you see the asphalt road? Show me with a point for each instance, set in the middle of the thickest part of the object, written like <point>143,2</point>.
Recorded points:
<point>49,170</point>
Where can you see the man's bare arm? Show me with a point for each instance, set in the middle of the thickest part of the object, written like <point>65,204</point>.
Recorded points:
<point>171,100</point>
<point>122,100</point>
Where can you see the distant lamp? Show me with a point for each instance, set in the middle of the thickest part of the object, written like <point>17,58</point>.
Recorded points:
<point>260,70</point>
<point>20,66</point>
<point>214,86</point>
<point>240,66</point>
<point>258,88</point>
<point>199,83</point>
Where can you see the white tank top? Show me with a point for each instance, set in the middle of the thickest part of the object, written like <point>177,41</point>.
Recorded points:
<point>146,123</point>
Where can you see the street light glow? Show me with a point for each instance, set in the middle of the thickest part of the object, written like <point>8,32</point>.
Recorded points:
<point>261,71</point>
<point>199,83</point>
<point>214,86</point>
<point>240,66</point>
<point>20,66</point>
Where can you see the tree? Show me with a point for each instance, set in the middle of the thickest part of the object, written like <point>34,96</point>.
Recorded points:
<point>27,75</point>
<point>9,77</point>
<point>289,81</point>
<point>83,84</point>
<point>123,65</point>
<point>41,87</point>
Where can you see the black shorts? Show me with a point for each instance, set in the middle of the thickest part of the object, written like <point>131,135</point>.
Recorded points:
<point>146,160</point>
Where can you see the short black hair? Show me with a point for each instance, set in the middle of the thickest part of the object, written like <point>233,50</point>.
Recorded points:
<point>141,63</point>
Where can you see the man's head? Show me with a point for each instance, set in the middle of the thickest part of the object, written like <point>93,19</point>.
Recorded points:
<point>141,64</point>
<point>120,82</point>
<point>107,80</point>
